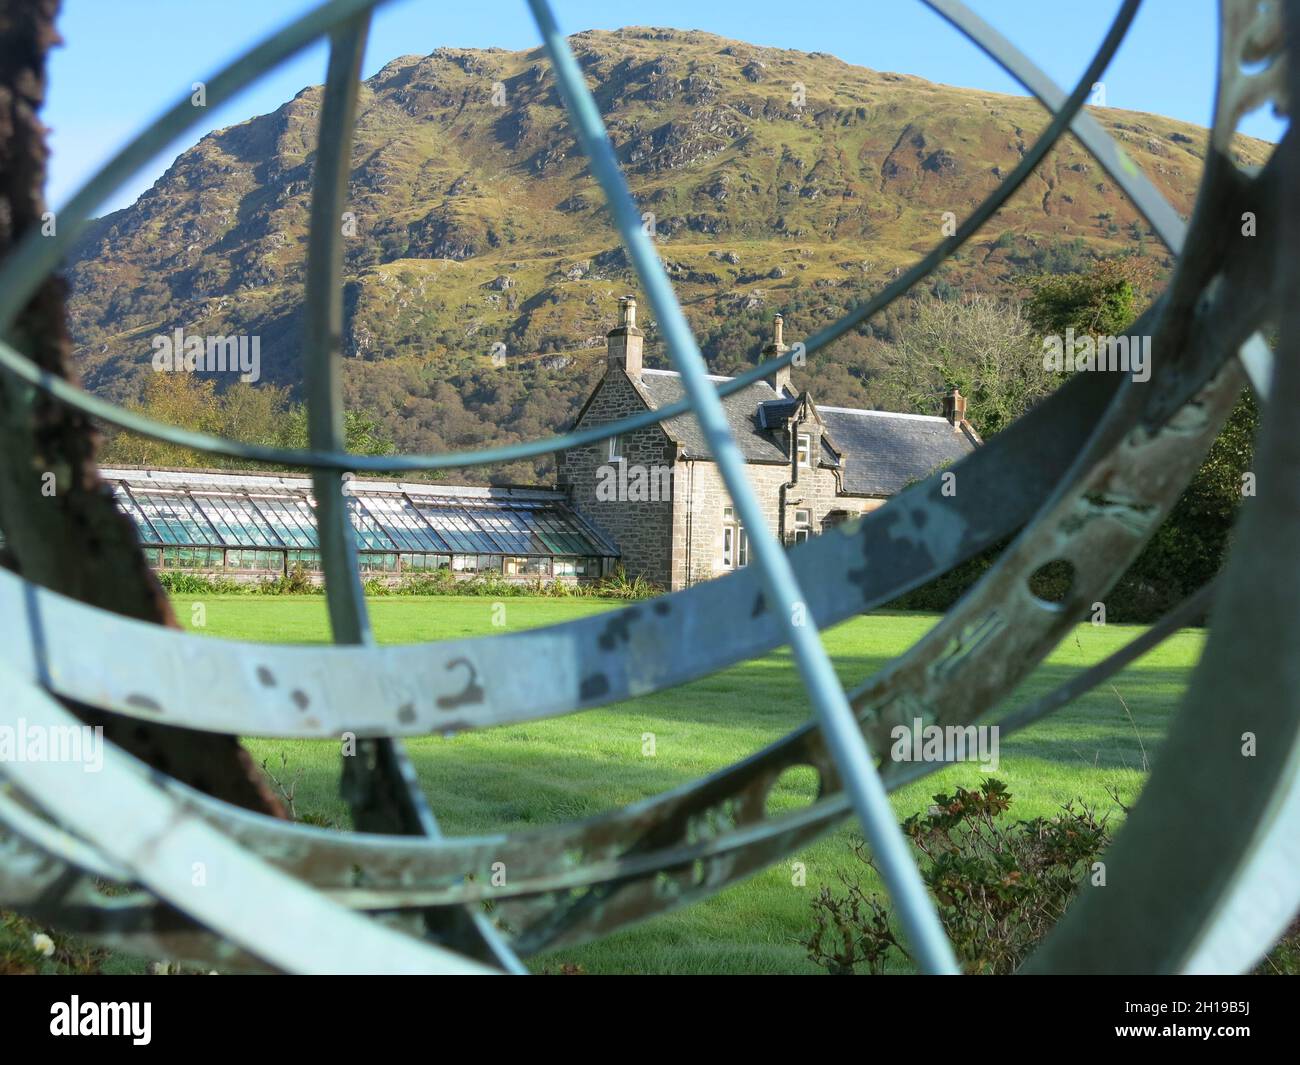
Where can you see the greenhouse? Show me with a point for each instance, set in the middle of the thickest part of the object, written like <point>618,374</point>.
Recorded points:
<point>249,526</point>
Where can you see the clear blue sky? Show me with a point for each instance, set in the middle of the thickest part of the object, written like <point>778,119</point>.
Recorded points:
<point>124,60</point>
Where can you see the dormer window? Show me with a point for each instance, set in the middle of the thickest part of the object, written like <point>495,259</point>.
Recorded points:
<point>615,449</point>
<point>805,449</point>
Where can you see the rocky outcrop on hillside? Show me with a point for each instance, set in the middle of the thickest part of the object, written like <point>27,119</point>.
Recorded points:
<point>770,178</point>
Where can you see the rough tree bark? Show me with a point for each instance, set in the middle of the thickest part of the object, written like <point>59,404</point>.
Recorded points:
<point>61,526</point>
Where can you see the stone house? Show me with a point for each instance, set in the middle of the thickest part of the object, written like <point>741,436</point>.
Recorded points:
<point>657,494</point>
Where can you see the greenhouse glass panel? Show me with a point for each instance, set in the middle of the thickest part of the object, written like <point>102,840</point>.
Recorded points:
<point>403,523</point>
<point>479,536</point>
<point>237,521</point>
<point>460,534</point>
<point>510,528</point>
<point>291,519</point>
<point>188,557</point>
<point>191,517</point>
<point>247,513</point>
<point>426,562</point>
<point>250,558</point>
<point>561,534</point>
<point>527,566</point>
<point>176,522</point>
<point>148,534</point>
<point>161,519</point>
<point>370,534</point>
<point>165,524</point>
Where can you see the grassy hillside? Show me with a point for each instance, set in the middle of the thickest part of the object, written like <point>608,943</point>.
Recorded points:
<point>474,222</point>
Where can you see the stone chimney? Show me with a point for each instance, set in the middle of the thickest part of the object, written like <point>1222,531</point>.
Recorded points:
<point>780,380</point>
<point>954,408</point>
<point>624,344</point>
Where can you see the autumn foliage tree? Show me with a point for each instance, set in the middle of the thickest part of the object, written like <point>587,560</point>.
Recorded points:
<point>253,414</point>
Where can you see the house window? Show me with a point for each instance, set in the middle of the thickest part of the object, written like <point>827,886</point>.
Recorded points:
<point>735,542</point>
<point>615,449</point>
<point>805,449</point>
<point>802,525</point>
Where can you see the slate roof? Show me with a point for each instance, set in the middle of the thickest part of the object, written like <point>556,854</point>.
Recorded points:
<point>884,452</point>
<point>881,452</point>
<point>662,387</point>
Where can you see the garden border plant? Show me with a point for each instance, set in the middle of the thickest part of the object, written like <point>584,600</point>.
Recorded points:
<point>297,581</point>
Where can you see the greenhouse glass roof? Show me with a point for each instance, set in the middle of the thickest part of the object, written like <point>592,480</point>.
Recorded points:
<point>194,508</point>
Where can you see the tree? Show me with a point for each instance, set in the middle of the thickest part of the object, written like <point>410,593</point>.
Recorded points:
<point>994,353</point>
<point>1102,302</point>
<point>1190,546</point>
<point>252,414</point>
<point>978,344</point>
<point>362,432</point>
<point>180,399</point>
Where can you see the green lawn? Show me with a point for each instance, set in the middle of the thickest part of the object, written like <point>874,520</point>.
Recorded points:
<point>579,765</point>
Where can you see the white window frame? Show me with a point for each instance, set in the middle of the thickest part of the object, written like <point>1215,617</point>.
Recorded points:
<point>735,544</point>
<point>804,450</point>
<point>614,452</point>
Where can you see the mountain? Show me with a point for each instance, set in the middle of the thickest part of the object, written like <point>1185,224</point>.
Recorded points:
<point>776,180</point>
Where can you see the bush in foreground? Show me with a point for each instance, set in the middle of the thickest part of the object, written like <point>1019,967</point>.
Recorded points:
<point>999,886</point>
